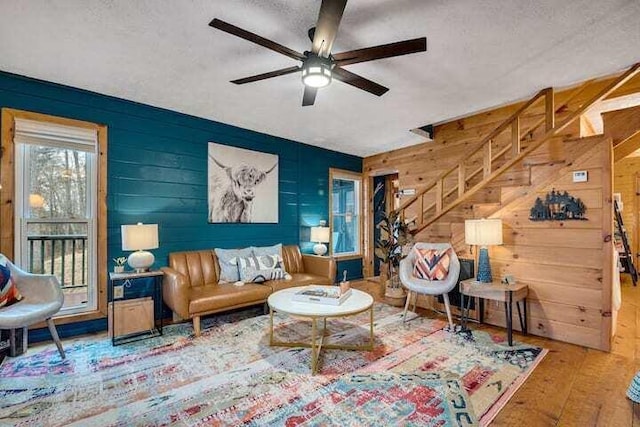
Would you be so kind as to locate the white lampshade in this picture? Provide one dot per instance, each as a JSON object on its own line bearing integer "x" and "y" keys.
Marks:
{"x": 138, "y": 238}
{"x": 483, "y": 232}
{"x": 320, "y": 234}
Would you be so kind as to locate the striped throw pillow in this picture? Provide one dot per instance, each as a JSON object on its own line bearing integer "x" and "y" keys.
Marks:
{"x": 431, "y": 264}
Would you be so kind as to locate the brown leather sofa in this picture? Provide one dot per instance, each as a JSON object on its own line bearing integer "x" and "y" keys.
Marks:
{"x": 191, "y": 289}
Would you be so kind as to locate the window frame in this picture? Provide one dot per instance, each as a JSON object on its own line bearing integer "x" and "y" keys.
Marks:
{"x": 8, "y": 200}
{"x": 22, "y": 221}
{"x": 335, "y": 173}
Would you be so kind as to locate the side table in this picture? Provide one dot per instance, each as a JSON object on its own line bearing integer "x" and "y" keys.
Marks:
{"x": 496, "y": 291}
{"x": 132, "y": 293}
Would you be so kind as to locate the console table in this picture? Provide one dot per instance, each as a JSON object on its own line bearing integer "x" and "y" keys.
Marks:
{"x": 496, "y": 291}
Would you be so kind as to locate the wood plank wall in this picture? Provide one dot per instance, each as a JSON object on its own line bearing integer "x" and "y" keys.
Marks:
{"x": 626, "y": 174}
{"x": 563, "y": 263}
{"x": 565, "y": 266}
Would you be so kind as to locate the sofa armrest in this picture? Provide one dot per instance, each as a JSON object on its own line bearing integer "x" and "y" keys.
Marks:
{"x": 175, "y": 291}
{"x": 320, "y": 265}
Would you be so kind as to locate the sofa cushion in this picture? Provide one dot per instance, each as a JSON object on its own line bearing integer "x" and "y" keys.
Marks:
{"x": 210, "y": 298}
{"x": 229, "y": 271}
{"x": 298, "y": 279}
{"x": 292, "y": 259}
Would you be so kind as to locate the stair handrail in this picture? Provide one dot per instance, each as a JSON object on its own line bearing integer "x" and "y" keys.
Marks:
{"x": 480, "y": 146}
{"x": 464, "y": 194}
{"x": 503, "y": 151}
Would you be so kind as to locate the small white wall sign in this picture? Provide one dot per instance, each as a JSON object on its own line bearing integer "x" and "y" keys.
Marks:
{"x": 580, "y": 176}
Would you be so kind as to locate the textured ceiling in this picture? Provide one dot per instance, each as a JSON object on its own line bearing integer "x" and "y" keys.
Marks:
{"x": 163, "y": 53}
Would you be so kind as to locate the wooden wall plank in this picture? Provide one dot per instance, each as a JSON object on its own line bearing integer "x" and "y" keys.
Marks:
{"x": 565, "y": 263}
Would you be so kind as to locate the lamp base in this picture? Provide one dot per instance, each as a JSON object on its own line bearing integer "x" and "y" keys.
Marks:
{"x": 484, "y": 268}
{"x": 140, "y": 261}
{"x": 319, "y": 249}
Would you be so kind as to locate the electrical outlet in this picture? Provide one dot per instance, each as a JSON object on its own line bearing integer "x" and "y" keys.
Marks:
{"x": 118, "y": 292}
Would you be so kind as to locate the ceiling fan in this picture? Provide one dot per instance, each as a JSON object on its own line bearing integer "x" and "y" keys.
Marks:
{"x": 320, "y": 66}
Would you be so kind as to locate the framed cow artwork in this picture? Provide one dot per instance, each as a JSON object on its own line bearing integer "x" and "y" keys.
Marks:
{"x": 243, "y": 185}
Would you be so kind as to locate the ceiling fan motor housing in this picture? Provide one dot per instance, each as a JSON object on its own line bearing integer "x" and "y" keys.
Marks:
{"x": 316, "y": 70}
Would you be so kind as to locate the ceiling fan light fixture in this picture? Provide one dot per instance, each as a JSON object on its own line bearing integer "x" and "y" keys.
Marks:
{"x": 316, "y": 72}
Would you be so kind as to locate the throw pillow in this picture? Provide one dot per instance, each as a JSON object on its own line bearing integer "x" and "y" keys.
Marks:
{"x": 260, "y": 268}
{"x": 431, "y": 264}
{"x": 228, "y": 271}
{"x": 9, "y": 293}
{"x": 268, "y": 250}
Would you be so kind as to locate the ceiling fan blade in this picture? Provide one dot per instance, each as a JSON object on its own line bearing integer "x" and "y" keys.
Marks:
{"x": 358, "y": 81}
{"x": 268, "y": 75}
{"x": 309, "y": 96}
{"x": 327, "y": 26}
{"x": 254, "y": 38}
{"x": 383, "y": 51}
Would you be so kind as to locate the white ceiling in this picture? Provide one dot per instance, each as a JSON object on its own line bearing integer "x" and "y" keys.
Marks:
{"x": 163, "y": 53}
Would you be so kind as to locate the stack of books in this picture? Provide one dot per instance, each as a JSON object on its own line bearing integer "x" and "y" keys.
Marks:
{"x": 329, "y": 295}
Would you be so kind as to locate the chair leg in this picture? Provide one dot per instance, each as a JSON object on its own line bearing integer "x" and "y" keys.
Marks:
{"x": 415, "y": 301}
{"x": 56, "y": 338}
{"x": 196, "y": 326}
{"x": 406, "y": 307}
{"x": 448, "y": 308}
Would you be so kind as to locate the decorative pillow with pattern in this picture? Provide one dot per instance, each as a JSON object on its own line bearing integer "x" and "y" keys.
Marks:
{"x": 431, "y": 264}
{"x": 260, "y": 268}
{"x": 228, "y": 271}
{"x": 9, "y": 293}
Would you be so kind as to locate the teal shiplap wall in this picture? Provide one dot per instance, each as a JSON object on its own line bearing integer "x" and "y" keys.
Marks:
{"x": 157, "y": 170}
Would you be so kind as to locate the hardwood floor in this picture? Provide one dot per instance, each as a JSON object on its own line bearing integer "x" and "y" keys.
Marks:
{"x": 573, "y": 385}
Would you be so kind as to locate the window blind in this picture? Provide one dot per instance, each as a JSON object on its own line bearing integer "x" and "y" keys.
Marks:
{"x": 55, "y": 135}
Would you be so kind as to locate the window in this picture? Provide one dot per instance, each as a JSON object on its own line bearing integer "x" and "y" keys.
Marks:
{"x": 57, "y": 178}
{"x": 345, "y": 213}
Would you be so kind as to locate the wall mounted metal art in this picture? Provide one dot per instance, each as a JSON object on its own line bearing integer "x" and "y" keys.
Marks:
{"x": 558, "y": 206}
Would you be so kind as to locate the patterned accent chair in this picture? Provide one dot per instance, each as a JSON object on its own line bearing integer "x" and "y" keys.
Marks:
{"x": 417, "y": 286}
{"x": 42, "y": 298}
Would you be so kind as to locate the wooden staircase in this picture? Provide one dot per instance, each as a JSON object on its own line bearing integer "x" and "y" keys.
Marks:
{"x": 499, "y": 168}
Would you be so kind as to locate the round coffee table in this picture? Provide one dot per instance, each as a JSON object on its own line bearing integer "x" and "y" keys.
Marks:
{"x": 282, "y": 301}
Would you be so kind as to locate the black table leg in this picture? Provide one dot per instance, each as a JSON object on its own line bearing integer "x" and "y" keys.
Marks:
{"x": 466, "y": 318}
{"x": 508, "y": 311}
{"x": 463, "y": 313}
{"x": 520, "y": 318}
{"x": 526, "y": 324}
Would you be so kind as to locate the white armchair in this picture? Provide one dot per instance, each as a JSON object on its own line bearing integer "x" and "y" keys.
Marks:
{"x": 417, "y": 286}
{"x": 42, "y": 298}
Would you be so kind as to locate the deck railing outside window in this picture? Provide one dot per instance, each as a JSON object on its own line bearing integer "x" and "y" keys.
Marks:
{"x": 65, "y": 256}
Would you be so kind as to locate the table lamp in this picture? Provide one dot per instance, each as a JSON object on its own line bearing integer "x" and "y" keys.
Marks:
{"x": 483, "y": 232}
{"x": 139, "y": 238}
{"x": 320, "y": 235}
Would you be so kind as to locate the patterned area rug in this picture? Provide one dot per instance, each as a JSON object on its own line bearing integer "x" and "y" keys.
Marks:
{"x": 418, "y": 374}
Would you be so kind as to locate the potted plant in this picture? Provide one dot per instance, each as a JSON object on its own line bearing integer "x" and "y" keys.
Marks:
{"x": 394, "y": 237}
{"x": 119, "y": 264}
